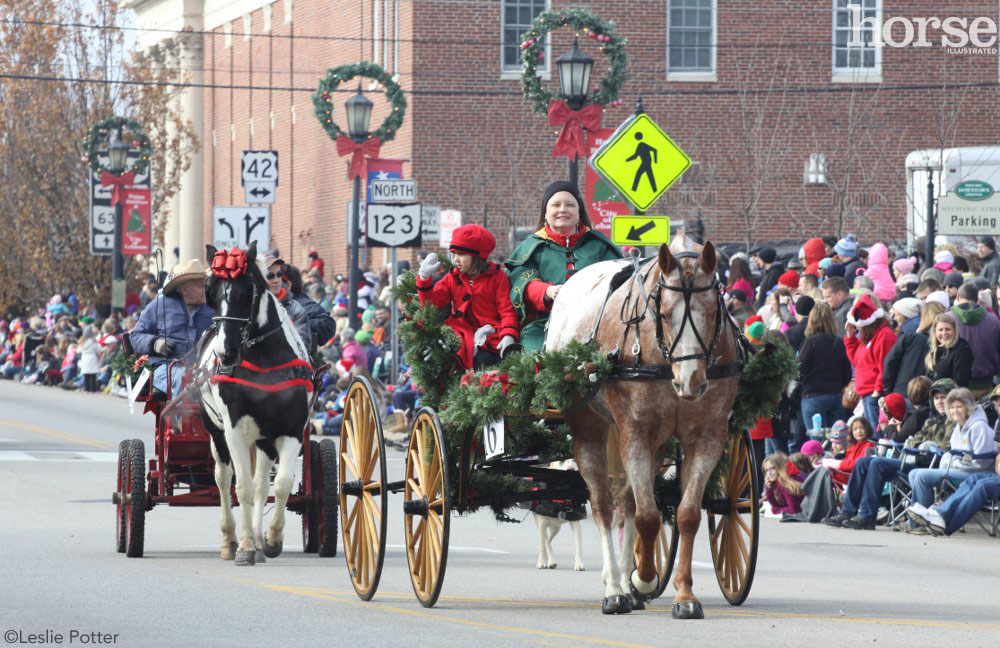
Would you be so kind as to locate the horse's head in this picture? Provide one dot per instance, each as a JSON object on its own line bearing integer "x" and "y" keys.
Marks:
{"x": 689, "y": 305}
{"x": 236, "y": 291}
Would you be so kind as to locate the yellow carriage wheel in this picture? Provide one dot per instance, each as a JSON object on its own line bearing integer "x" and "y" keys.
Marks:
{"x": 426, "y": 507}
{"x": 363, "y": 494}
{"x": 734, "y": 523}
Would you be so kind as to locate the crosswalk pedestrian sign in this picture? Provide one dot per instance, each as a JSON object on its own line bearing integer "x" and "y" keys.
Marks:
{"x": 640, "y": 160}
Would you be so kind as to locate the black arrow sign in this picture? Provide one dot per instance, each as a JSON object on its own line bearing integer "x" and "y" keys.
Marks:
{"x": 257, "y": 192}
{"x": 636, "y": 234}
{"x": 250, "y": 228}
{"x": 224, "y": 222}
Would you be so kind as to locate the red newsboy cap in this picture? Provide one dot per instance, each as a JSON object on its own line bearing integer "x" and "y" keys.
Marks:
{"x": 473, "y": 239}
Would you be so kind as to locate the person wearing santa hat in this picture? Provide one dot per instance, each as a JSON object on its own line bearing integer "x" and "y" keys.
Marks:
{"x": 868, "y": 340}
{"x": 478, "y": 293}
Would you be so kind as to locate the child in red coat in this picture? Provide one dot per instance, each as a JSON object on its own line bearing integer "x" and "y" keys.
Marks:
{"x": 478, "y": 293}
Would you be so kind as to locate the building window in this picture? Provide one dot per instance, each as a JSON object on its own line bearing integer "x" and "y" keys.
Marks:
{"x": 516, "y": 17}
{"x": 691, "y": 36}
{"x": 855, "y": 50}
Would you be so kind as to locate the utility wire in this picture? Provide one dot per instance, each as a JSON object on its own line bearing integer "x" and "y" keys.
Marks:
{"x": 838, "y": 89}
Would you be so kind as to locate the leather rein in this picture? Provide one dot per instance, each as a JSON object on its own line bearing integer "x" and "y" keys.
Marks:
{"x": 648, "y": 304}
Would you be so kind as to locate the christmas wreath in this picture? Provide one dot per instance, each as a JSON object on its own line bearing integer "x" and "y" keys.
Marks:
{"x": 323, "y": 99}
{"x": 131, "y": 133}
{"x": 533, "y": 52}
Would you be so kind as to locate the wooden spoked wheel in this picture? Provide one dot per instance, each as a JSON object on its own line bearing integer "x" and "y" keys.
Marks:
{"x": 363, "y": 496}
{"x": 734, "y": 534}
{"x": 426, "y": 507}
{"x": 664, "y": 554}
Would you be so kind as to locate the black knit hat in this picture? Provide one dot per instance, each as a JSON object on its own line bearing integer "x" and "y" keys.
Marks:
{"x": 562, "y": 185}
{"x": 766, "y": 254}
{"x": 804, "y": 306}
{"x": 989, "y": 242}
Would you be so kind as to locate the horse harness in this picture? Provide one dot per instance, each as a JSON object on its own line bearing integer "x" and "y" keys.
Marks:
{"x": 644, "y": 304}
{"x": 245, "y": 340}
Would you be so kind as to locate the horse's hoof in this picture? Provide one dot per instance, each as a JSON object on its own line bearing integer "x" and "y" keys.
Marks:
{"x": 245, "y": 558}
{"x": 617, "y": 604}
{"x": 688, "y": 610}
{"x": 229, "y": 551}
{"x": 272, "y": 551}
{"x": 259, "y": 556}
{"x": 637, "y": 603}
{"x": 638, "y": 595}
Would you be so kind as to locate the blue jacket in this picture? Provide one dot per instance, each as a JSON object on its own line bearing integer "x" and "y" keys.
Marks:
{"x": 168, "y": 317}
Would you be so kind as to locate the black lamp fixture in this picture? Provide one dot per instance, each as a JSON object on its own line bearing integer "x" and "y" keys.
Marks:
{"x": 117, "y": 152}
{"x": 574, "y": 75}
{"x": 359, "y": 115}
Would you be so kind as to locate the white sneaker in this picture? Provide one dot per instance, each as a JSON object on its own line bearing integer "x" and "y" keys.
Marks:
{"x": 917, "y": 507}
{"x": 934, "y": 518}
{"x": 882, "y": 515}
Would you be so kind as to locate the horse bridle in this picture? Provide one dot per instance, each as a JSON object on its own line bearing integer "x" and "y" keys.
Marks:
{"x": 651, "y": 303}
{"x": 245, "y": 340}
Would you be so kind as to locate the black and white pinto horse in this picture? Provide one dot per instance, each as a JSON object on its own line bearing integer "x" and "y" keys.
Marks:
{"x": 257, "y": 399}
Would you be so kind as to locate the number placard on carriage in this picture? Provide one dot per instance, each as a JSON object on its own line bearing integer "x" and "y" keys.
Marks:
{"x": 493, "y": 438}
{"x": 394, "y": 225}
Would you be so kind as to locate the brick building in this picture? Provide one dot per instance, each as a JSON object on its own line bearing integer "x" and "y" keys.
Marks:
{"x": 794, "y": 131}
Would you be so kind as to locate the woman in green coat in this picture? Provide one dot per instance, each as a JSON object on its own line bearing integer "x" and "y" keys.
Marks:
{"x": 563, "y": 244}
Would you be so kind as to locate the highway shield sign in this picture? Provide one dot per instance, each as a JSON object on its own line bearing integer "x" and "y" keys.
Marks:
{"x": 640, "y": 160}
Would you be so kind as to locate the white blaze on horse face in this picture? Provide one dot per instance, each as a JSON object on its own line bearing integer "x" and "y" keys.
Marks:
{"x": 690, "y": 380}
{"x": 220, "y": 335}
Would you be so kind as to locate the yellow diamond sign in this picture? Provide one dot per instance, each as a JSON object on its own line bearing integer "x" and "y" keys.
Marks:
{"x": 640, "y": 160}
{"x": 640, "y": 230}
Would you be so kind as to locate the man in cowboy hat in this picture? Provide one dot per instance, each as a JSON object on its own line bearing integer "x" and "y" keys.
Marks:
{"x": 170, "y": 325}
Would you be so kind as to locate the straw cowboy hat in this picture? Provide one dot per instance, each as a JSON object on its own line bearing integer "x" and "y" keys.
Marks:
{"x": 185, "y": 271}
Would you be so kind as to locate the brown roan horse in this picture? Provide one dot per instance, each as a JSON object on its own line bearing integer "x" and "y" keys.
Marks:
{"x": 670, "y": 327}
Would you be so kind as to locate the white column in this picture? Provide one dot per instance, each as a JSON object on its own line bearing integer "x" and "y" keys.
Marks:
{"x": 171, "y": 230}
{"x": 191, "y": 207}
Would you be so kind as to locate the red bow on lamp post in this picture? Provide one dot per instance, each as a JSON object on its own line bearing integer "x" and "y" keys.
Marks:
{"x": 118, "y": 184}
{"x": 570, "y": 142}
{"x": 359, "y": 151}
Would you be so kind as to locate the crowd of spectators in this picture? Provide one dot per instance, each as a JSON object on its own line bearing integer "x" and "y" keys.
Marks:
{"x": 895, "y": 351}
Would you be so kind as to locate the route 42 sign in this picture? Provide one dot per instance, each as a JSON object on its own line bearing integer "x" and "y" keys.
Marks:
{"x": 259, "y": 166}
{"x": 394, "y": 225}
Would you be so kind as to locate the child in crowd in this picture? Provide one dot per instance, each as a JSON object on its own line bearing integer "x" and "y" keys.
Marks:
{"x": 781, "y": 491}
{"x": 858, "y": 445}
{"x": 478, "y": 294}
{"x": 838, "y": 439}
{"x": 90, "y": 363}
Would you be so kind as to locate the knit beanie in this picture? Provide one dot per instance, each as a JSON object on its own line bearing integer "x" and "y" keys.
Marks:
{"x": 904, "y": 266}
{"x": 989, "y": 242}
{"x": 789, "y": 279}
{"x": 847, "y": 246}
{"x": 755, "y": 333}
{"x": 836, "y": 270}
{"x": 563, "y": 185}
{"x": 804, "y": 306}
{"x": 767, "y": 255}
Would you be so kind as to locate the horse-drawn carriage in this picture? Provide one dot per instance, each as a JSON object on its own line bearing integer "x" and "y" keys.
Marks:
{"x": 444, "y": 463}
{"x": 244, "y": 406}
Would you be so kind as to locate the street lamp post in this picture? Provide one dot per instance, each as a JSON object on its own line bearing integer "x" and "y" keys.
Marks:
{"x": 359, "y": 114}
{"x": 574, "y": 80}
{"x": 118, "y": 154}
{"x": 931, "y": 234}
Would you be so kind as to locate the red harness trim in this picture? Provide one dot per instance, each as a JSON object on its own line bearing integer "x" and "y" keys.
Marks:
{"x": 298, "y": 362}
{"x": 288, "y": 384}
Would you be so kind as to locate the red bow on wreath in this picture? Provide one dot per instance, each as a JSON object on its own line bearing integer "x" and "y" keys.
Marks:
{"x": 229, "y": 264}
{"x": 358, "y": 151}
{"x": 490, "y": 378}
{"x": 118, "y": 184}
{"x": 570, "y": 142}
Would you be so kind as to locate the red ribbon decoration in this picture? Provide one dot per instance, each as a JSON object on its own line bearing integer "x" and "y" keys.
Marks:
{"x": 118, "y": 183}
{"x": 359, "y": 150}
{"x": 570, "y": 142}
{"x": 229, "y": 264}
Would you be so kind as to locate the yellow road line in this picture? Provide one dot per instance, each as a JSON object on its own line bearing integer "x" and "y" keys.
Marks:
{"x": 56, "y": 434}
{"x": 432, "y": 616}
{"x": 348, "y": 596}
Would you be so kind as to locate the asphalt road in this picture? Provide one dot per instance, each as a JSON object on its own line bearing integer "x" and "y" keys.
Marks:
{"x": 61, "y": 576}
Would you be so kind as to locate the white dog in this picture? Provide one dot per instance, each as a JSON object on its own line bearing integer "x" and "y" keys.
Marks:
{"x": 549, "y": 518}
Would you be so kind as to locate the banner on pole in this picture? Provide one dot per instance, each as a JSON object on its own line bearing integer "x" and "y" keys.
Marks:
{"x": 136, "y": 235}
{"x": 603, "y": 201}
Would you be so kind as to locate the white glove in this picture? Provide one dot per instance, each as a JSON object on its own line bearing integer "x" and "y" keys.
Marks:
{"x": 831, "y": 464}
{"x": 430, "y": 265}
{"x": 479, "y": 338}
{"x": 164, "y": 347}
{"x": 505, "y": 342}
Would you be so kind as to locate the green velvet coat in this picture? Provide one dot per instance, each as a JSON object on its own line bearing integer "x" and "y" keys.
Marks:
{"x": 539, "y": 257}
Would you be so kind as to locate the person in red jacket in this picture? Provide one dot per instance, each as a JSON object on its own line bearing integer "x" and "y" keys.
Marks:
{"x": 815, "y": 251}
{"x": 858, "y": 445}
{"x": 478, "y": 293}
{"x": 869, "y": 339}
